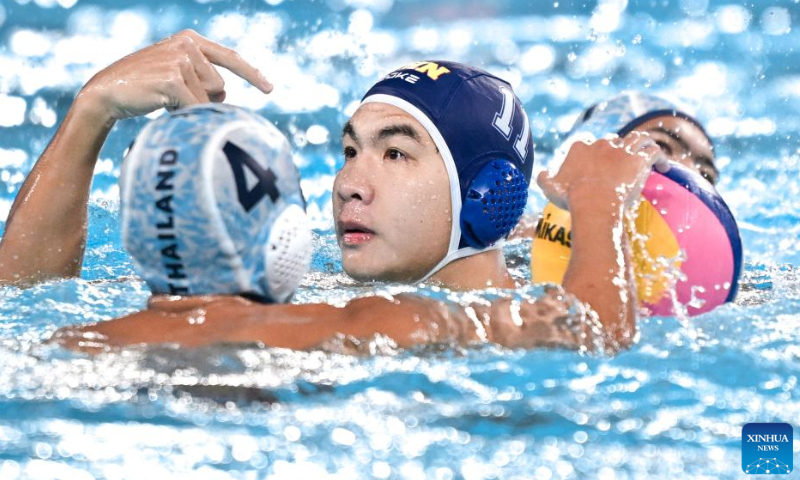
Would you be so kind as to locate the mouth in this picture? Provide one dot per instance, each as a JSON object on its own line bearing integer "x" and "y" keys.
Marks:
{"x": 354, "y": 233}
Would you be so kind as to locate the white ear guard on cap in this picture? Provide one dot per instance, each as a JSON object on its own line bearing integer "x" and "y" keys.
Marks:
{"x": 211, "y": 204}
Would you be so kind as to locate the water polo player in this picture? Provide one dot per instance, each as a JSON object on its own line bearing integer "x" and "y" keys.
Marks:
{"x": 681, "y": 137}
{"x": 687, "y": 255}
{"x": 421, "y": 160}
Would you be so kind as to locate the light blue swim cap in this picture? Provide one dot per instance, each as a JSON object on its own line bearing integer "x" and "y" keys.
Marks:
{"x": 623, "y": 113}
{"x": 211, "y": 204}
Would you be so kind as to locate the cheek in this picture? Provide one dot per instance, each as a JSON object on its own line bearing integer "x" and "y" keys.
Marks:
{"x": 429, "y": 215}
{"x": 418, "y": 208}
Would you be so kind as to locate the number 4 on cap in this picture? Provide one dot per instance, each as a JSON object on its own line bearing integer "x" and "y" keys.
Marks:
{"x": 239, "y": 160}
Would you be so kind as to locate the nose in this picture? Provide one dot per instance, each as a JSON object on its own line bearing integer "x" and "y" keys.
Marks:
{"x": 354, "y": 182}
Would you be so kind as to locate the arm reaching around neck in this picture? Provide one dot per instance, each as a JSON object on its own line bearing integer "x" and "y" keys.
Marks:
{"x": 408, "y": 320}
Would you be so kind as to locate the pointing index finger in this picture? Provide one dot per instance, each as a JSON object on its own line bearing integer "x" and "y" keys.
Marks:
{"x": 228, "y": 58}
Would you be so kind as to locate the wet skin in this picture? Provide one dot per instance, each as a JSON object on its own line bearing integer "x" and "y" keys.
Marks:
{"x": 45, "y": 236}
{"x": 678, "y": 139}
{"x": 391, "y": 198}
{"x": 393, "y": 213}
{"x": 684, "y": 142}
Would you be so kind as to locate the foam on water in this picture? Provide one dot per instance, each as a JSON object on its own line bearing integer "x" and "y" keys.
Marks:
{"x": 670, "y": 407}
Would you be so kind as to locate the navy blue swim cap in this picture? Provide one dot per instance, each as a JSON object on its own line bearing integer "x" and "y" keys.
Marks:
{"x": 483, "y": 135}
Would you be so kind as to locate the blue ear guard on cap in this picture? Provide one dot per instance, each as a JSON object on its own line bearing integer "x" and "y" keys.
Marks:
{"x": 494, "y": 203}
{"x": 484, "y": 138}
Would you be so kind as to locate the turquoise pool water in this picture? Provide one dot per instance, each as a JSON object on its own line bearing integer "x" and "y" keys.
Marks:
{"x": 671, "y": 407}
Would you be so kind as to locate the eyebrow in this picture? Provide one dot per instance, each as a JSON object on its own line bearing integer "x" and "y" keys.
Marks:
{"x": 385, "y": 132}
{"x": 700, "y": 159}
{"x": 399, "y": 129}
{"x": 674, "y": 136}
{"x": 349, "y": 131}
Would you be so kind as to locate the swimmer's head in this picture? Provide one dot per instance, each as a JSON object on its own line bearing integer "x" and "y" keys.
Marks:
{"x": 211, "y": 204}
{"x": 438, "y": 160}
{"x": 681, "y": 137}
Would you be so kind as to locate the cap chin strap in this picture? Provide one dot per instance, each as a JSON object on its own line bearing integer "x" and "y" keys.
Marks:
{"x": 453, "y": 252}
{"x": 461, "y": 253}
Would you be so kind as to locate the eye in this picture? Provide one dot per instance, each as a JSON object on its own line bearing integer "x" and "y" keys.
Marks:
{"x": 349, "y": 153}
{"x": 709, "y": 175}
{"x": 664, "y": 146}
{"x": 395, "y": 154}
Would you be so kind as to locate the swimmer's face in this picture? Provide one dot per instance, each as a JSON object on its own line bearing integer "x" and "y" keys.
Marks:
{"x": 683, "y": 142}
{"x": 391, "y": 199}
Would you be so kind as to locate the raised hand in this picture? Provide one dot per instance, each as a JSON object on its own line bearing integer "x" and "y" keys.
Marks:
{"x": 619, "y": 166}
{"x": 173, "y": 73}
{"x": 45, "y": 232}
{"x": 597, "y": 183}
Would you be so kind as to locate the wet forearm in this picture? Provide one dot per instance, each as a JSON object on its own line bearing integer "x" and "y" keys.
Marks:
{"x": 46, "y": 228}
{"x": 598, "y": 271}
{"x": 410, "y": 321}
{"x": 199, "y": 321}
{"x": 407, "y": 320}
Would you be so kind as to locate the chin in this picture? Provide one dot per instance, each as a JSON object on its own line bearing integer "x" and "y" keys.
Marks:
{"x": 364, "y": 273}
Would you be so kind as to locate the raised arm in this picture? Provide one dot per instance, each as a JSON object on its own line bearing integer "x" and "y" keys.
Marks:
{"x": 45, "y": 232}
{"x": 597, "y": 183}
